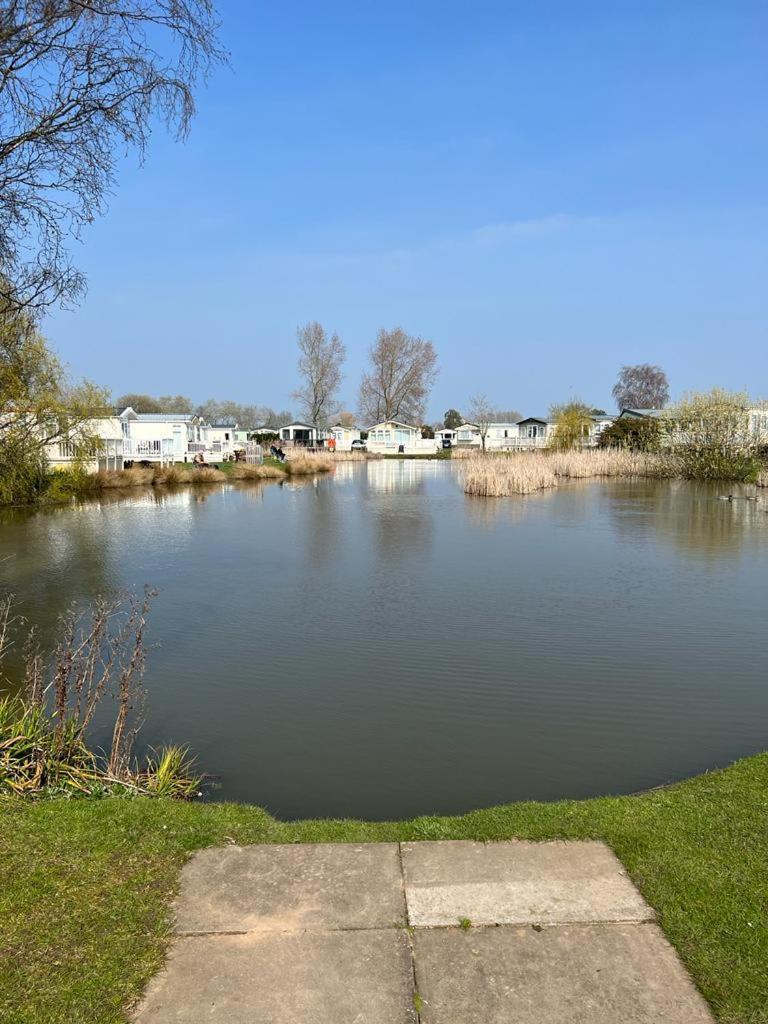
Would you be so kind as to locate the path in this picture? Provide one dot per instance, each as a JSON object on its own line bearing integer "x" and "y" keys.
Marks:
{"x": 371, "y": 934}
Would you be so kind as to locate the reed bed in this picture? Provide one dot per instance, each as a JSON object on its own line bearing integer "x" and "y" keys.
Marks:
{"x": 339, "y": 456}
{"x": 491, "y": 477}
{"x": 502, "y": 474}
{"x": 156, "y": 476}
{"x": 301, "y": 463}
{"x": 608, "y": 462}
{"x": 248, "y": 471}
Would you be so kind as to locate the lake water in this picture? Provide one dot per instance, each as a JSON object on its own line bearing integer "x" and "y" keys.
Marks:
{"x": 377, "y": 644}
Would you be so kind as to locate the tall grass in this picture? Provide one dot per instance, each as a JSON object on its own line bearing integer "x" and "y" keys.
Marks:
{"x": 300, "y": 463}
{"x": 248, "y": 471}
{"x": 580, "y": 464}
{"x": 499, "y": 475}
{"x": 355, "y": 456}
{"x": 491, "y": 477}
{"x": 44, "y": 728}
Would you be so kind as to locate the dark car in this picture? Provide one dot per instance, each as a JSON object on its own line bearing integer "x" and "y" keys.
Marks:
{"x": 447, "y": 442}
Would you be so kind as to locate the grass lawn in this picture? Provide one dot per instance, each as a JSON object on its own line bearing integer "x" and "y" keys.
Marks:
{"x": 85, "y": 884}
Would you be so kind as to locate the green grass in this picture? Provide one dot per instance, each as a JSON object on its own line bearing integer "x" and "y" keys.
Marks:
{"x": 85, "y": 884}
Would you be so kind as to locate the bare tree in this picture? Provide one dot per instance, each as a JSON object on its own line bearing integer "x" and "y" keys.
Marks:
{"x": 641, "y": 387}
{"x": 506, "y": 415}
{"x": 81, "y": 81}
{"x": 481, "y": 415}
{"x": 320, "y": 362}
{"x": 147, "y": 403}
{"x": 403, "y": 370}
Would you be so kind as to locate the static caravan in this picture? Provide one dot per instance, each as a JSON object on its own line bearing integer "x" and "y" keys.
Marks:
{"x": 392, "y": 437}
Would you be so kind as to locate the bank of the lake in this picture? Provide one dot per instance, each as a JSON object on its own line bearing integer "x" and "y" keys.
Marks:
{"x": 460, "y": 652}
{"x": 86, "y": 885}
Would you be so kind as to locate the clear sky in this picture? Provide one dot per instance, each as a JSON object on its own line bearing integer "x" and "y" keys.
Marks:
{"x": 546, "y": 190}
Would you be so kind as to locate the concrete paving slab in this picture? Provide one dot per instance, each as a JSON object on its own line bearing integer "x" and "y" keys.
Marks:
{"x": 566, "y": 974}
{"x": 291, "y": 887}
{"x": 357, "y": 977}
{"x": 517, "y": 883}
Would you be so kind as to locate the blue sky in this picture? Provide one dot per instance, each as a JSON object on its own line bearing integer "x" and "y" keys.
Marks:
{"x": 546, "y": 190}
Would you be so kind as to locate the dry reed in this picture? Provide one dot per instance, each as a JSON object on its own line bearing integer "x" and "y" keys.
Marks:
{"x": 206, "y": 475}
{"x": 498, "y": 478}
{"x": 248, "y": 471}
{"x": 340, "y": 456}
{"x": 299, "y": 463}
{"x": 498, "y": 475}
{"x": 156, "y": 476}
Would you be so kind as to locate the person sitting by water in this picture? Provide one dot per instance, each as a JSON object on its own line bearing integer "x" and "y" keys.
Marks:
{"x": 199, "y": 461}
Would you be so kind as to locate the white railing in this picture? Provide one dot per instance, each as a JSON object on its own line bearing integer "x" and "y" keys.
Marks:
{"x": 149, "y": 450}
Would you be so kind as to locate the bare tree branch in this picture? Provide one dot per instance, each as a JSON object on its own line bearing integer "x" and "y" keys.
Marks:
{"x": 403, "y": 370}
{"x": 79, "y": 83}
{"x": 320, "y": 361}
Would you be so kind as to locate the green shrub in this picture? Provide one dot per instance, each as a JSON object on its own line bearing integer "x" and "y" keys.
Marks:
{"x": 634, "y": 434}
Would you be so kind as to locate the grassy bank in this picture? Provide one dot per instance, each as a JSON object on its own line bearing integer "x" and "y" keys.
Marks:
{"x": 85, "y": 884}
{"x": 66, "y": 485}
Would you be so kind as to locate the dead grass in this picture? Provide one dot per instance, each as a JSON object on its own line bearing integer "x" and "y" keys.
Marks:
{"x": 156, "y": 476}
{"x": 499, "y": 475}
{"x": 340, "y": 456}
{"x": 490, "y": 477}
{"x": 137, "y": 477}
{"x": 205, "y": 476}
{"x": 607, "y": 462}
{"x": 300, "y": 463}
{"x": 247, "y": 471}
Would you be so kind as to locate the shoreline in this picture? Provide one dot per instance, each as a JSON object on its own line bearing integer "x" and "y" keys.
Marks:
{"x": 696, "y": 849}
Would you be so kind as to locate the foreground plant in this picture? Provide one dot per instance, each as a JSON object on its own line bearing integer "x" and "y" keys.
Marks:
{"x": 44, "y": 727}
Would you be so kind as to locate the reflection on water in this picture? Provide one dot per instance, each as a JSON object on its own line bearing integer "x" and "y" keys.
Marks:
{"x": 694, "y": 518}
{"x": 375, "y": 643}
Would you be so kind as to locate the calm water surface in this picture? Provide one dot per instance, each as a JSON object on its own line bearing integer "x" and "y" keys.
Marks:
{"x": 378, "y": 644}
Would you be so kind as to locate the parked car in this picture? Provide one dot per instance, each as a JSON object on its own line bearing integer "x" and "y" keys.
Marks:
{"x": 358, "y": 446}
{"x": 447, "y": 442}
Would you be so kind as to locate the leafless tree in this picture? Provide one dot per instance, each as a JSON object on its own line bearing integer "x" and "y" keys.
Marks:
{"x": 481, "y": 415}
{"x": 320, "y": 360}
{"x": 641, "y": 387}
{"x": 403, "y": 370}
{"x": 80, "y": 82}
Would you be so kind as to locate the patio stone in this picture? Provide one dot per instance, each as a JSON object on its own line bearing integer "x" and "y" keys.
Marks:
{"x": 291, "y": 887}
{"x": 314, "y": 977}
{"x": 517, "y": 883}
{"x": 567, "y": 974}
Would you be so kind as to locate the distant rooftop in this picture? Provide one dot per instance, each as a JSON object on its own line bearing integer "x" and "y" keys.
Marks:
{"x": 159, "y": 417}
{"x": 641, "y": 412}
